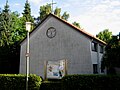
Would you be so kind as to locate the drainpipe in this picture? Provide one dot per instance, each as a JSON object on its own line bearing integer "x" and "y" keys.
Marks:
{"x": 98, "y": 58}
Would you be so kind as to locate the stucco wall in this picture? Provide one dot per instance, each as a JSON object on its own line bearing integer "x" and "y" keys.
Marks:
{"x": 67, "y": 44}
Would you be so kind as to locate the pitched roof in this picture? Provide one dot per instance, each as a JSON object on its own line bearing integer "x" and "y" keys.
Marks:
{"x": 71, "y": 25}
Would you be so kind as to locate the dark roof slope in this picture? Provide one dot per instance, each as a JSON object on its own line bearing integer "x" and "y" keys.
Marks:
{"x": 73, "y": 26}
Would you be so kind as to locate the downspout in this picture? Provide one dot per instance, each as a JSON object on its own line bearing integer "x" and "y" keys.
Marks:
{"x": 98, "y": 58}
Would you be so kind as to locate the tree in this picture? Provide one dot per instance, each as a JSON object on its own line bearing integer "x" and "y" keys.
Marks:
{"x": 26, "y": 18}
{"x": 5, "y": 26}
{"x": 27, "y": 13}
{"x": 105, "y": 35}
{"x": 57, "y": 12}
{"x": 11, "y": 28}
{"x": 46, "y": 10}
{"x": 76, "y": 24}
{"x": 65, "y": 16}
{"x": 9, "y": 33}
{"x": 111, "y": 57}
{"x": 18, "y": 31}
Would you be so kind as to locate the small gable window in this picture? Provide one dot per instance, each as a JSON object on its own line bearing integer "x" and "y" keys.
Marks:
{"x": 94, "y": 46}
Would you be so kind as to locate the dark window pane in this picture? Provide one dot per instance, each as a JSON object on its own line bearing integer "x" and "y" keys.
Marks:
{"x": 94, "y": 46}
{"x": 101, "y": 49}
{"x": 95, "y": 69}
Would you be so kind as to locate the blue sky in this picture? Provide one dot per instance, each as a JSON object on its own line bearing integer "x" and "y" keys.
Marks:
{"x": 93, "y": 15}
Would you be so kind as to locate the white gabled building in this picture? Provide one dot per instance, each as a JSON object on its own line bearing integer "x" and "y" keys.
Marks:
{"x": 55, "y": 39}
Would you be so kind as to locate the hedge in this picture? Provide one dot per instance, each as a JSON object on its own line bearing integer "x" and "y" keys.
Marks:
{"x": 50, "y": 85}
{"x": 91, "y": 82}
{"x": 18, "y": 82}
{"x": 69, "y": 82}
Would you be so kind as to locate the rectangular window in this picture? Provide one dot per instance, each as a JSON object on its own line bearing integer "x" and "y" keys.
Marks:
{"x": 101, "y": 49}
{"x": 95, "y": 68}
{"x": 94, "y": 46}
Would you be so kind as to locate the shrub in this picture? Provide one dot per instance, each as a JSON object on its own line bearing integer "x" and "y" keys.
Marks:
{"x": 91, "y": 82}
{"x": 50, "y": 85}
{"x": 18, "y": 82}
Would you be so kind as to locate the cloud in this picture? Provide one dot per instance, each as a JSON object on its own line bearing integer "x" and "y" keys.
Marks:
{"x": 40, "y": 2}
{"x": 101, "y": 16}
{"x": 105, "y": 1}
{"x": 93, "y": 15}
{"x": 35, "y": 6}
{"x": 65, "y": 5}
{"x": 115, "y": 3}
{"x": 36, "y": 2}
{"x": 17, "y": 4}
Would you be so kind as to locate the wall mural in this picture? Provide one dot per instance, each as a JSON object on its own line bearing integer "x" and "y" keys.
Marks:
{"x": 55, "y": 69}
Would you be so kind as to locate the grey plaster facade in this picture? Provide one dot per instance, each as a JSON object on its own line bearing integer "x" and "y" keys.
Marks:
{"x": 69, "y": 43}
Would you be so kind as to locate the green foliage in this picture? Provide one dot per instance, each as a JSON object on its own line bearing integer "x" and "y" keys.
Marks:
{"x": 18, "y": 32}
{"x": 77, "y": 82}
{"x": 65, "y": 16}
{"x": 11, "y": 28}
{"x": 91, "y": 82}
{"x": 83, "y": 82}
{"x": 57, "y": 12}
{"x": 18, "y": 82}
{"x": 46, "y": 10}
{"x": 50, "y": 85}
{"x": 105, "y": 35}
{"x": 6, "y": 7}
{"x": 27, "y": 13}
{"x": 6, "y": 25}
{"x": 111, "y": 57}
{"x": 76, "y": 24}
{"x": 26, "y": 17}
{"x": 34, "y": 82}
{"x": 12, "y": 31}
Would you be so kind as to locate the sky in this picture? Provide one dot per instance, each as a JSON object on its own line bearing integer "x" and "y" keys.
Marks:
{"x": 93, "y": 15}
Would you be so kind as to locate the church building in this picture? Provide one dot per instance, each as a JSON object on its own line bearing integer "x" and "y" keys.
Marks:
{"x": 54, "y": 40}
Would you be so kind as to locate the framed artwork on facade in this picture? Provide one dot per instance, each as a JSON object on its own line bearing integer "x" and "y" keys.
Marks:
{"x": 55, "y": 69}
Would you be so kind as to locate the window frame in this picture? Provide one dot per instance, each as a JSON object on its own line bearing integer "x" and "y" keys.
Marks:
{"x": 94, "y": 46}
